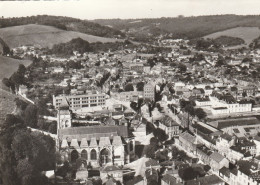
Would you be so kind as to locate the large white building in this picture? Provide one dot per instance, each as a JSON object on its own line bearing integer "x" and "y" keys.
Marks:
{"x": 79, "y": 101}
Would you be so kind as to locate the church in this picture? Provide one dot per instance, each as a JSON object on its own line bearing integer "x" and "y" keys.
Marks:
{"x": 95, "y": 146}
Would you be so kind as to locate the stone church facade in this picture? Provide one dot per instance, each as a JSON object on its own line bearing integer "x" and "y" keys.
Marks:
{"x": 94, "y": 145}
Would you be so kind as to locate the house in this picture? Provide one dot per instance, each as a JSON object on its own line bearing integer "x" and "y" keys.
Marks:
{"x": 224, "y": 142}
{"x": 22, "y": 90}
{"x": 149, "y": 90}
{"x": 170, "y": 127}
{"x": 245, "y": 173}
{"x": 137, "y": 180}
{"x": 204, "y": 153}
{"x": 218, "y": 161}
{"x": 188, "y": 142}
{"x": 111, "y": 171}
{"x": 168, "y": 179}
{"x": 207, "y": 180}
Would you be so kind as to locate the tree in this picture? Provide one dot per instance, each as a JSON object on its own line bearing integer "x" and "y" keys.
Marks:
{"x": 182, "y": 68}
{"x": 31, "y": 116}
{"x": 244, "y": 94}
{"x": 149, "y": 151}
{"x": 200, "y": 113}
{"x": 160, "y": 134}
{"x": 8, "y": 83}
{"x": 20, "y": 103}
{"x": 21, "y": 69}
{"x": 140, "y": 86}
{"x": 129, "y": 87}
{"x": 187, "y": 173}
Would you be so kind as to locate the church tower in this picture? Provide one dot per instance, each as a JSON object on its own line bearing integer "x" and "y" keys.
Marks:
{"x": 64, "y": 115}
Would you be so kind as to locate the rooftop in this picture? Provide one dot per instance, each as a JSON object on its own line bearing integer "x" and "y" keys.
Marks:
{"x": 207, "y": 180}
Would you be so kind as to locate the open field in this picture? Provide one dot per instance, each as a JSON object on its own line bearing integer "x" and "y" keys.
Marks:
{"x": 44, "y": 36}
{"x": 7, "y": 67}
{"x": 248, "y": 34}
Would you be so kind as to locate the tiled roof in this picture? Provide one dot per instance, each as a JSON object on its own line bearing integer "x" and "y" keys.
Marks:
{"x": 104, "y": 141}
{"x": 225, "y": 171}
{"x": 226, "y": 137}
{"x": 207, "y": 180}
{"x": 151, "y": 162}
{"x": 188, "y": 137}
{"x": 74, "y": 143}
{"x": 117, "y": 141}
{"x": 110, "y": 168}
{"x": 93, "y": 131}
{"x": 168, "y": 121}
{"x": 93, "y": 142}
{"x": 169, "y": 179}
{"x": 64, "y": 143}
{"x": 220, "y": 124}
{"x": 217, "y": 157}
{"x": 84, "y": 142}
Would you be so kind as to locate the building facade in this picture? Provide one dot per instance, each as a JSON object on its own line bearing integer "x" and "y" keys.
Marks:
{"x": 78, "y": 101}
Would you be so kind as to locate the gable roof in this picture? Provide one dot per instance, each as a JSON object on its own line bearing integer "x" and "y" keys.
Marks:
{"x": 169, "y": 179}
{"x": 93, "y": 131}
{"x": 217, "y": 157}
{"x": 207, "y": 180}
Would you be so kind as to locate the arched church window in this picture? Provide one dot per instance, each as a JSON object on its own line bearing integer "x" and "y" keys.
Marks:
{"x": 105, "y": 156}
{"x": 84, "y": 154}
{"x": 93, "y": 154}
{"x": 74, "y": 156}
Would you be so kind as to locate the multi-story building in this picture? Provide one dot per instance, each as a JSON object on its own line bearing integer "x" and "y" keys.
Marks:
{"x": 149, "y": 90}
{"x": 170, "y": 127}
{"x": 78, "y": 101}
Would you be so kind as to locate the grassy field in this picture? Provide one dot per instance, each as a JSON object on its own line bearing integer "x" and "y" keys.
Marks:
{"x": 7, "y": 67}
{"x": 248, "y": 34}
{"x": 44, "y": 36}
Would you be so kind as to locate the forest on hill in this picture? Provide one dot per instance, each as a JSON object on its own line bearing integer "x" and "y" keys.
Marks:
{"x": 181, "y": 27}
{"x": 64, "y": 23}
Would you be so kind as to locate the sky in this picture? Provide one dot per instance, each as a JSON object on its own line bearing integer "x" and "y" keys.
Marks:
{"x": 108, "y": 9}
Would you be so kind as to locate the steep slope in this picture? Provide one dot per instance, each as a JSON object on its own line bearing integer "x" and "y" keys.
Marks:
{"x": 64, "y": 23}
{"x": 44, "y": 36}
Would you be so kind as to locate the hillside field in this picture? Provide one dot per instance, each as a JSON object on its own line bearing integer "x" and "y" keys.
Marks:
{"x": 248, "y": 34}
{"x": 43, "y": 36}
{"x": 7, "y": 104}
{"x": 9, "y": 65}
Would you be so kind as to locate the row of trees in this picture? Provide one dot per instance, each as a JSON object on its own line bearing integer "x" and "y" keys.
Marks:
{"x": 83, "y": 46}
{"x": 64, "y": 23}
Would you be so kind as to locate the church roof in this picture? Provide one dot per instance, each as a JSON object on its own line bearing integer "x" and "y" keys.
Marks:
{"x": 64, "y": 103}
{"x": 74, "y": 143}
{"x": 84, "y": 142}
{"x": 93, "y": 142}
{"x": 117, "y": 141}
{"x": 64, "y": 143}
{"x": 104, "y": 141}
{"x": 93, "y": 131}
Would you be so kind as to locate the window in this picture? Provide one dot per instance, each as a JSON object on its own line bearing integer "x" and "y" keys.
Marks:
{"x": 84, "y": 154}
{"x": 93, "y": 154}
